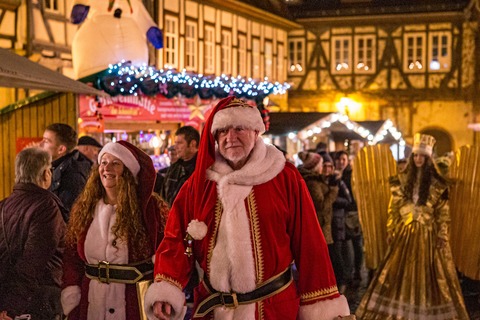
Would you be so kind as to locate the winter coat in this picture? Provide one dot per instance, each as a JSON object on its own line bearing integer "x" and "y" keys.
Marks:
{"x": 323, "y": 197}
{"x": 69, "y": 175}
{"x": 175, "y": 177}
{"x": 31, "y": 269}
{"x": 340, "y": 209}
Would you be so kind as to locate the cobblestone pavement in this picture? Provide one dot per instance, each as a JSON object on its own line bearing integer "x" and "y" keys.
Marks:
{"x": 471, "y": 294}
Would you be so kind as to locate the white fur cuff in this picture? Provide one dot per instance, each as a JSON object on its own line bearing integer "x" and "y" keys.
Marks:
{"x": 165, "y": 292}
{"x": 325, "y": 309}
{"x": 70, "y": 298}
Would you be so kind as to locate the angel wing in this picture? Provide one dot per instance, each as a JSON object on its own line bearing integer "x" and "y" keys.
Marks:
{"x": 465, "y": 211}
{"x": 372, "y": 167}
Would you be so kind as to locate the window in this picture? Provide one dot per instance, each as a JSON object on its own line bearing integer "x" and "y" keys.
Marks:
{"x": 280, "y": 63}
{"x": 268, "y": 60}
{"x": 342, "y": 55}
{"x": 365, "y": 58}
{"x": 209, "y": 43}
{"x": 191, "y": 46}
{"x": 226, "y": 57}
{"x": 51, "y": 5}
{"x": 296, "y": 57}
{"x": 242, "y": 55}
{"x": 171, "y": 43}
{"x": 414, "y": 52}
{"x": 440, "y": 51}
{"x": 256, "y": 58}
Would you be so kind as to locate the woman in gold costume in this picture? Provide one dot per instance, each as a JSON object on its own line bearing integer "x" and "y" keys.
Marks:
{"x": 417, "y": 277}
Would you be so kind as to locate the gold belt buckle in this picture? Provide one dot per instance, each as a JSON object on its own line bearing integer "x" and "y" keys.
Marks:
{"x": 104, "y": 265}
{"x": 229, "y": 305}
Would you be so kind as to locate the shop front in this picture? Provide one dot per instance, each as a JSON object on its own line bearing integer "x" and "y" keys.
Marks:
{"x": 148, "y": 122}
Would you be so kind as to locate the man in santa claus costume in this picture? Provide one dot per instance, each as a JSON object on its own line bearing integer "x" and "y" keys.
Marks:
{"x": 246, "y": 217}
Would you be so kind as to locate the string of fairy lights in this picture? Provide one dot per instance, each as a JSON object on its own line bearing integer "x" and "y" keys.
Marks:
{"x": 126, "y": 79}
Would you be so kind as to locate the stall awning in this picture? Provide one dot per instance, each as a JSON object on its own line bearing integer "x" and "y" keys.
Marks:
{"x": 282, "y": 123}
{"x": 19, "y": 72}
{"x": 338, "y": 126}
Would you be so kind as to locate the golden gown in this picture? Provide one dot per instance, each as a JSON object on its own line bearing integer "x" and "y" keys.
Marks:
{"x": 416, "y": 279}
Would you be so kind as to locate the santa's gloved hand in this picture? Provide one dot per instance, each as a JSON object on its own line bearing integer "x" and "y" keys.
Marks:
{"x": 155, "y": 36}
{"x": 79, "y": 13}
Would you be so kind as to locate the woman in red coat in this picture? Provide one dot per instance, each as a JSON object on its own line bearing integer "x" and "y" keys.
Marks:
{"x": 113, "y": 232}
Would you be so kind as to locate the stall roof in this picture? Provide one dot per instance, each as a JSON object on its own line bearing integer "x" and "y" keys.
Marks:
{"x": 19, "y": 72}
{"x": 282, "y": 123}
{"x": 339, "y": 126}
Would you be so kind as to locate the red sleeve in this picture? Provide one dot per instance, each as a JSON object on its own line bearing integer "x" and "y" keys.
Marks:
{"x": 172, "y": 248}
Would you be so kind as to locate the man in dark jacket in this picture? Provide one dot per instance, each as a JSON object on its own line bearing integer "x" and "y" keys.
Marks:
{"x": 186, "y": 146}
{"x": 31, "y": 240}
{"x": 70, "y": 167}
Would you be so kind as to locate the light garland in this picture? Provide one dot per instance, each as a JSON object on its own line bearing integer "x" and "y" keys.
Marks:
{"x": 373, "y": 138}
{"x": 126, "y": 79}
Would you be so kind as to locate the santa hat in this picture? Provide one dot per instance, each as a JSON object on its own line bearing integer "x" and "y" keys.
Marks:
{"x": 206, "y": 151}
{"x": 238, "y": 114}
{"x": 423, "y": 144}
{"x": 141, "y": 166}
{"x": 309, "y": 159}
{"x": 123, "y": 151}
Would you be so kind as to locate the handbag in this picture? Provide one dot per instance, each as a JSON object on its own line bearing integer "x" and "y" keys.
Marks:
{"x": 352, "y": 224}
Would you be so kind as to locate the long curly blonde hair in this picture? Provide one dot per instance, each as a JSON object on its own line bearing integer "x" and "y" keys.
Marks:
{"x": 129, "y": 224}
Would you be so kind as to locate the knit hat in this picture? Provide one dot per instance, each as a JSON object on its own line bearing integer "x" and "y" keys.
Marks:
{"x": 326, "y": 157}
{"x": 88, "y": 141}
{"x": 238, "y": 113}
{"x": 423, "y": 144}
{"x": 125, "y": 152}
{"x": 309, "y": 159}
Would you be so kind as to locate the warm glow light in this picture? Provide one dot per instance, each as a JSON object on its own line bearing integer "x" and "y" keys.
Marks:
{"x": 347, "y": 106}
{"x": 154, "y": 142}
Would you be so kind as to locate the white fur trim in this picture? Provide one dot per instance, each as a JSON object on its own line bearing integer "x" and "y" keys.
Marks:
{"x": 325, "y": 309}
{"x": 232, "y": 264}
{"x": 197, "y": 229}
{"x": 166, "y": 292}
{"x": 122, "y": 153}
{"x": 247, "y": 117}
{"x": 70, "y": 298}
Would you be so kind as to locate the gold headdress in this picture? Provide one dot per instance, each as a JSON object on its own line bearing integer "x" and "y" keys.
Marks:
{"x": 423, "y": 144}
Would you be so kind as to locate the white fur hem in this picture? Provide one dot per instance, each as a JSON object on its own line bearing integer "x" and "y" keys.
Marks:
{"x": 164, "y": 291}
{"x": 325, "y": 309}
{"x": 70, "y": 298}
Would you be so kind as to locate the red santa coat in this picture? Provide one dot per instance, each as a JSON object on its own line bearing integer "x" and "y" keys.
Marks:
{"x": 259, "y": 220}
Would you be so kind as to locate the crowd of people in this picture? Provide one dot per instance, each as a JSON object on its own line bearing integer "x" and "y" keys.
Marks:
{"x": 231, "y": 230}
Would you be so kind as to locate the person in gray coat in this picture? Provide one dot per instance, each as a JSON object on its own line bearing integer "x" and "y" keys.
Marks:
{"x": 31, "y": 240}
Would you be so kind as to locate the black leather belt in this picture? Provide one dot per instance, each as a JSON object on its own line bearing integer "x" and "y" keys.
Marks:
{"x": 119, "y": 273}
{"x": 232, "y": 299}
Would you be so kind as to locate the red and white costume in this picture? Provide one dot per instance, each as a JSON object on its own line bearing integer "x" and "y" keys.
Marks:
{"x": 83, "y": 298}
{"x": 259, "y": 220}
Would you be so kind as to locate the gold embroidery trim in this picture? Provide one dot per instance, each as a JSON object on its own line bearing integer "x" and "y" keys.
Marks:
{"x": 213, "y": 239}
{"x": 323, "y": 293}
{"x": 161, "y": 277}
{"x": 256, "y": 238}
